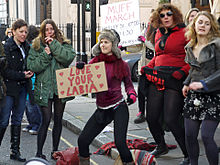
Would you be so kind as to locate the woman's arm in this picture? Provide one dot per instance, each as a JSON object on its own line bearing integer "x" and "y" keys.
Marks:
{"x": 214, "y": 79}
{"x": 9, "y": 73}
{"x": 63, "y": 53}
{"x": 38, "y": 61}
{"x": 129, "y": 88}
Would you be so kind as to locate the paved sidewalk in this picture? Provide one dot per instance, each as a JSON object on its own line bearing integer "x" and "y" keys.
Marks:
{"x": 78, "y": 111}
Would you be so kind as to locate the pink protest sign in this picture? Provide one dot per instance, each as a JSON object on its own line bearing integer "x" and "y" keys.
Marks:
{"x": 73, "y": 81}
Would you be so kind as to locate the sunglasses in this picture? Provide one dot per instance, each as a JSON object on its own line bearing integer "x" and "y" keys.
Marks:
{"x": 169, "y": 13}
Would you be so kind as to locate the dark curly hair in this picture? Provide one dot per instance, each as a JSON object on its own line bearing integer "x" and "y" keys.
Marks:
{"x": 33, "y": 32}
{"x": 177, "y": 15}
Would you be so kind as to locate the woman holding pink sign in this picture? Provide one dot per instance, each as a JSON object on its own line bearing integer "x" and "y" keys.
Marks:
{"x": 111, "y": 105}
{"x": 50, "y": 51}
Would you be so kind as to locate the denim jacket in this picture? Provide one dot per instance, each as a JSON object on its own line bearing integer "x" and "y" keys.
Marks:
{"x": 206, "y": 68}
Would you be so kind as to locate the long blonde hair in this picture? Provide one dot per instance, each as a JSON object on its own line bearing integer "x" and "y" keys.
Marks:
{"x": 214, "y": 30}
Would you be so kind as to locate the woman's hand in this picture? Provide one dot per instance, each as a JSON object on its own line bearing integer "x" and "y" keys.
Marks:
{"x": 47, "y": 50}
{"x": 195, "y": 85}
{"x": 28, "y": 74}
{"x": 48, "y": 40}
{"x": 185, "y": 90}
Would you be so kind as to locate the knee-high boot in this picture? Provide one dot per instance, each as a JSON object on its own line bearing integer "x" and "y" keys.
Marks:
{"x": 15, "y": 143}
{"x": 2, "y": 132}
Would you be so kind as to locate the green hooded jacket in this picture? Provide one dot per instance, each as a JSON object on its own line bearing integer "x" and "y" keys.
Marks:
{"x": 45, "y": 66}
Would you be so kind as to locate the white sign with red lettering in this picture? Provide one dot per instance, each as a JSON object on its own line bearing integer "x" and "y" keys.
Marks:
{"x": 73, "y": 81}
{"x": 124, "y": 18}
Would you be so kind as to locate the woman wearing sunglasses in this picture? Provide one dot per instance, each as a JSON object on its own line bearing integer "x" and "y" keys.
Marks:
{"x": 165, "y": 74}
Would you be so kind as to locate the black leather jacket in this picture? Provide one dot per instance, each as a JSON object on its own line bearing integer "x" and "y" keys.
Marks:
{"x": 206, "y": 68}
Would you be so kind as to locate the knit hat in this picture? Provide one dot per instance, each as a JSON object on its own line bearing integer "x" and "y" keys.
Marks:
{"x": 112, "y": 36}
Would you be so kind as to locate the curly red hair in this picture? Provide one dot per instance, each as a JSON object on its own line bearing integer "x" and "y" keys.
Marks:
{"x": 177, "y": 15}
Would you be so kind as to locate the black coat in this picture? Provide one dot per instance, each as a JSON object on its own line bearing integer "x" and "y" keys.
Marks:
{"x": 207, "y": 68}
{"x": 13, "y": 75}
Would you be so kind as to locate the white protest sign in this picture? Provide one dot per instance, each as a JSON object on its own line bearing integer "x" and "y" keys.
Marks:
{"x": 124, "y": 18}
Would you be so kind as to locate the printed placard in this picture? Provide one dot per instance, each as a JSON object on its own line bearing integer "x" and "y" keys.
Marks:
{"x": 73, "y": 81}
{"x": 124, "y": 17}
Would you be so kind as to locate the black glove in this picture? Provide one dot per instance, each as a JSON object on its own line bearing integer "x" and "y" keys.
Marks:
{"x": 80, "y": 65}
{"x": 122, "y": 48}
{"x": 3, "y": 62}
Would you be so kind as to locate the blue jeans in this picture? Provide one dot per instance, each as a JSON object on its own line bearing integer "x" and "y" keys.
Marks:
{"x": 16, "y": 112}
{"x": 33, "y": 116}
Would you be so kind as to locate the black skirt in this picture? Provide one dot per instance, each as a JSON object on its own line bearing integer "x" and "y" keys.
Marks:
{"x": 202, "y": 106}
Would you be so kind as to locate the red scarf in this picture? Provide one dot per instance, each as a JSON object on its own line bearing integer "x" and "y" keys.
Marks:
{"x": 120, "y": 70}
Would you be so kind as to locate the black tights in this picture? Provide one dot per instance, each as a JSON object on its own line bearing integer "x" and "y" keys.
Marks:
{"x": 141, "y": 101}
{"x": 170, "y": 103}
{"x": 93, "y": 127}
{"x": 208, "y": 128}
{"x": 57, "y": 127}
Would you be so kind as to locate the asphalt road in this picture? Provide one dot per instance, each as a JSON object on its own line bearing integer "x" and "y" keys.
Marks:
{"x": 29, "y": 147}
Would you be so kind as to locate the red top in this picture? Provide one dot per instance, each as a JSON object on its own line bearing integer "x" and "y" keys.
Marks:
{"x": 114, "y": 94}
{"x": 169, "y": 49}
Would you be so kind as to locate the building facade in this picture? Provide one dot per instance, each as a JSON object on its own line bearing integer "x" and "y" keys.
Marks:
{"x": 3, "y": 12}
{"x": 32, "y": 11}
{"x": 64, "y": 12}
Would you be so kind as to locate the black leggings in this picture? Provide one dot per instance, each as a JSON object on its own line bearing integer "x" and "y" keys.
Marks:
{"x": 208, "y": 128}
{"x": 57, "y": 127}
{"x": 94, "y": 126}
{"x": 141, "y": 101}
{"x": 170, "y": 103}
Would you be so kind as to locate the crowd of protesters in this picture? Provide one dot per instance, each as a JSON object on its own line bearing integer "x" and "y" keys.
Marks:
{"x": 178, "y": 81}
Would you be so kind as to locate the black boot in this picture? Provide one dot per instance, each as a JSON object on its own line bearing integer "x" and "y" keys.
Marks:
{"x": 2, "y": 132}
{"x": 15, "y": 143}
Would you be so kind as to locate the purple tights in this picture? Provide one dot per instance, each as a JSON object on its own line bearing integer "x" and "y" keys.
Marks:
{"x": 208, "y": 128}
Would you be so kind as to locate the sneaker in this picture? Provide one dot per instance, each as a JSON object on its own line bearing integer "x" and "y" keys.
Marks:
{"x": 186, "y": 161}
{"x": 33, "y": 132}
{"x": 140, "y": 118}
{"x": 160, "y": 150}
{"x": 25, "y": 129}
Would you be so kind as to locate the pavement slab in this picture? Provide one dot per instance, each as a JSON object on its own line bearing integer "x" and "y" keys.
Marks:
{"x": 78, "y": 111}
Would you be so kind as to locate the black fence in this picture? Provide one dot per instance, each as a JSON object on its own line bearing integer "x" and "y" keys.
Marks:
{"x": 70, "y": 31}
{"x": 3, "y": 27}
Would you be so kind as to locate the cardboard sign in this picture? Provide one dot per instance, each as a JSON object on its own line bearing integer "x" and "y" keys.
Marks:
{"x": 73, "y": 81}
{"x": 124, "y": 18}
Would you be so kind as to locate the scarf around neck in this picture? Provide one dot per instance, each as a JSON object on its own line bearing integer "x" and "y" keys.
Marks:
{"x": 119, "y": 68}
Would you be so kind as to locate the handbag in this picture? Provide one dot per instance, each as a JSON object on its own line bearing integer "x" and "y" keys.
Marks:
{"x": 67, "y": 157}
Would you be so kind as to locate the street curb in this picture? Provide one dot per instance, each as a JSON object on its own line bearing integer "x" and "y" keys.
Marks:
{"x": 76, "y": 125}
